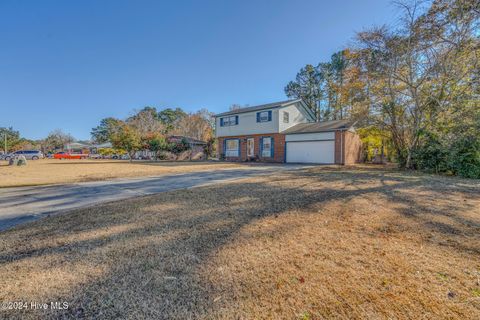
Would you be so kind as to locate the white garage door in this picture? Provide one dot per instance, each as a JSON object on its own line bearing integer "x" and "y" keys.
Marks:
{"x": 311, "y": 152}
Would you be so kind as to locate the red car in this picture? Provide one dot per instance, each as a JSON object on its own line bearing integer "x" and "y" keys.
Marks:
{"x": 66, "y": 155}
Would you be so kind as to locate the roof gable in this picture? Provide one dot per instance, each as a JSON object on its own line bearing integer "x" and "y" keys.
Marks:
{"x": 308, "y": 110}
{"x": 188, "y": 139}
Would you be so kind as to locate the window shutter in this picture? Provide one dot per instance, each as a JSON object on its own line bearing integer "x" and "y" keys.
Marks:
{"x": 258, "y": 116}
{"x": 236, "y": 119}
{"x": 271, "y": 147}
{"x": 261, "y": 147}
{"x": 270, "y": 115}
{"x": 221, "y": 122}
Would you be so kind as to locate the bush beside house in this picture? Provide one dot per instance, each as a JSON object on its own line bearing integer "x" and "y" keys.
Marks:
{"x": 459, "y": 155}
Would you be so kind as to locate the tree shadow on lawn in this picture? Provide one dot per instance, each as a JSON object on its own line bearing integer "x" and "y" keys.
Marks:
{"x": 148, "y": 163}
{"x": 63, "y": 195}
{"x": 153, "y": 250}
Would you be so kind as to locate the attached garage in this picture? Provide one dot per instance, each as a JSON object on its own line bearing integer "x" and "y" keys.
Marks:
{"x": 330, "y": 142}
{"x": 310, "y": 148}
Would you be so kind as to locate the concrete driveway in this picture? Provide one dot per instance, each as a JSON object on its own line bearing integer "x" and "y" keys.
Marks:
{"x": 22, "y": 204}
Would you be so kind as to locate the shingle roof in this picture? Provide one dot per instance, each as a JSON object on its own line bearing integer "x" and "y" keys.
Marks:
{"x": 259, "y": 107}
{"x": 319, "y": 126}
{"x": 189, "y": 140}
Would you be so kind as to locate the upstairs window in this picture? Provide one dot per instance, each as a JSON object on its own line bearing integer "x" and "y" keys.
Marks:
{"x": 264, "y": 116}
{"x": 286, "y": 117}
{"x": 228, "y": 121}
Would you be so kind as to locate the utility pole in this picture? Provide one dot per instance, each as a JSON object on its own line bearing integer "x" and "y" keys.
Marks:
{"x": 5, "y": 135}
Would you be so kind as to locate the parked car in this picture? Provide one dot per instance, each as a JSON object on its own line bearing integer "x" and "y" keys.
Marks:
{"x": 95, "y": 156}
{"x": 28, "y": 154}
{"x": 119, "y": 157}
{"x": 68, "y": 155}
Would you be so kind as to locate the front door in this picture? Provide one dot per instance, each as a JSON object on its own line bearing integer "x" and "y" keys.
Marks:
{"x": 250, "y": 147}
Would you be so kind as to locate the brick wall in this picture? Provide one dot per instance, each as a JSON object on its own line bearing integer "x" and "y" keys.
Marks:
{"x": 338, "y": 147}
{"x": 348, "y": 148}
{"x": 353, "y": 148}
{"x": 278, "y": 147}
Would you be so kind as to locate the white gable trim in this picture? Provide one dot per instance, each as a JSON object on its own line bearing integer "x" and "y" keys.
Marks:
{"x": 310, "y": 112}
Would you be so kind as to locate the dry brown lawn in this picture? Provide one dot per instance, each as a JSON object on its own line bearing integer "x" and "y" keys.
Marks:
{"x": 54, "y": 171}
{"x": 352, "y": 243}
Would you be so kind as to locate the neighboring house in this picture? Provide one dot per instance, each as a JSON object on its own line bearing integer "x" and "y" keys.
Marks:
{"x": 79, "y": 147}
{"x": 76, "y": 147}
{"x": 195, "y": 152}
{"x": 197, "y": 147}
{"x": 194, "y": 143}
{"x": 285, "y": 132}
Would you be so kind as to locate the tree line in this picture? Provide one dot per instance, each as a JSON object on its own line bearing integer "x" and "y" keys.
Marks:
{"x": 146, "y": 129}
{"x": 149, "y": 129}
{"x": 11, "y": 140}
{"x": 413, "y": 88}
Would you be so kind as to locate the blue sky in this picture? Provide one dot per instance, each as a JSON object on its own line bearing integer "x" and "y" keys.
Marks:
{"x": 68, "y": 64}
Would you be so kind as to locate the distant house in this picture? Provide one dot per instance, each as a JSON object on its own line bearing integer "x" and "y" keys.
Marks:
{"x": 197, "y": 147}
{"x": 77, "y": 147}
{"x": 191, "y": 141}
{"x": 196, "y": 150}
{"x": 82, "y": 147}
{"x": 285, "y": 131}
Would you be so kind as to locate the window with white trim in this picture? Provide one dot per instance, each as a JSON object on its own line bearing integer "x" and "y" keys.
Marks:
{"x": 267, "y": 147}
{"x": 229, "y": 121}
{"x": 264, "y": 116}
{"x": 232, "y": 147}
{"x": 286, "y": 117}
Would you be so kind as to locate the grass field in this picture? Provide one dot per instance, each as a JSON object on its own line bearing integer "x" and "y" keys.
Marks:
{"x": 50, "y": 171}
{"x": 319, "y": 243}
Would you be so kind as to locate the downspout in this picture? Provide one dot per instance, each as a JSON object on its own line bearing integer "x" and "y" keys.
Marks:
{"x": 246, "y": 148}
{"x": 341, "y": 148}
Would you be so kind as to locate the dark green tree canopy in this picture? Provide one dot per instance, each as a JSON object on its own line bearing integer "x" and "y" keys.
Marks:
{"x": 169, "y": 117}
{"x": 104, "y": 131}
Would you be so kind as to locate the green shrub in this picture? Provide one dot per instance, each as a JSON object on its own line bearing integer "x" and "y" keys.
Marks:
{"x": 178, "y": 147}
{"x": 461, "y": 156}
{"x": 431, "y": 155}
{"x": 464, "y": 157}
{"x": 162, "y": 156}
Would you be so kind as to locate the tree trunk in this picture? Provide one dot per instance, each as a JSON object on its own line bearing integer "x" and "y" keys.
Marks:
{"x": 411, "y": 147}
{"x": 382, "y": 152}
{"x": 408, "y": 162}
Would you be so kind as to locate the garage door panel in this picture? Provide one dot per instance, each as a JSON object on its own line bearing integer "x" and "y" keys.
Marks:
{"x": 311, "y": 152}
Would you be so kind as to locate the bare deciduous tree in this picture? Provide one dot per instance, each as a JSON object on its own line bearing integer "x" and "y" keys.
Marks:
{"x": 416, "y": 71}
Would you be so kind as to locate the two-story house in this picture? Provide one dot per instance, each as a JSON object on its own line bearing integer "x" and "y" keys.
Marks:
{"x": 285, "y": 131}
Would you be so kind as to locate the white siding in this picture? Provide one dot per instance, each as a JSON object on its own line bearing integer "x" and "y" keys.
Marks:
{"x": 247, "y": 122}
{"x": 310, "y": 136}
{"x": 296, "y": 113}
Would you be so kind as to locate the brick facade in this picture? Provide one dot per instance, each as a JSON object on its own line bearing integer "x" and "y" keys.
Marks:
{"x": 278, "y": 147}
{"x": 353, "y": 148}
{"x": 338, "y": 147}
{"x": 348, "y": 147}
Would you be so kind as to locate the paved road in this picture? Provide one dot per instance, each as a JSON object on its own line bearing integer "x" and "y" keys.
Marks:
{"x": 22, "y": 204}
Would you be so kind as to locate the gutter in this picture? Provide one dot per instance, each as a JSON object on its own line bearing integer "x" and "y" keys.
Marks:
{"x": 274, "y": 106}
{"x": 341, "y": 147}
